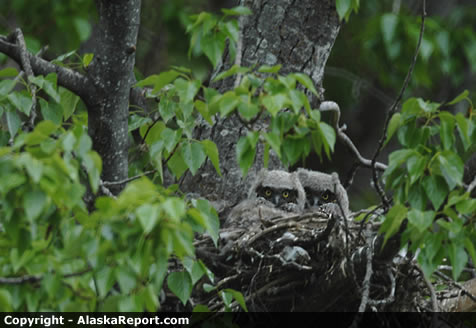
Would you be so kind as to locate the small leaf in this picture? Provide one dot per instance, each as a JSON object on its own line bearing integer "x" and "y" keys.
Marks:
{"x": 436, "y": 190}
{"x": 87, "y": 59}
{"x": 393, "y": 220}
{"x": 393, "y": 125}
{"x": 180, "y": 284}
{"x": 237, "y": 11}
{"x": 33, "y": 203}
{"x": 270, "y": 69}
{"x": 13, "y": 122}
{"x": 245, "y": 152}
{"x": 175, "y": 208}
{"x": 186, "y": 90}
{"x": 148, "y": 216}
{"x": 194, "y": 155}
{"x": 447, "y": 130}
{"x": 21, "y": 102}
{"x": 213, "y": 47}
{"x": 238, "y": 297}
{"x": 458, "y": 258}
{"x": 8, "y": 72}
{"x": 343, "y": 6}
{"x": 463, "y": 95}
{"x": 305, "y": 81}
{"x": 274, "y": 141}
{"x": 51, "y": 111}
{"x": 228, "y": 102}
{"x": 421, "y": 220}
{"x": 212, "y": 152}
{"x": 451, "y": 167}
{"x": 159, "y": 81}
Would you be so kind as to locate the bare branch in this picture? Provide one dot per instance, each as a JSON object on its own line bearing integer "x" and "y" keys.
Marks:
{"x": 333, "y": 107}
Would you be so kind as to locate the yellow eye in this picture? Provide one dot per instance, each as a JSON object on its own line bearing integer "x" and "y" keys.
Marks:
{"x": 325, "y": 196}
{"x": 285, "y": 194}
{"x": 268, "y": 192}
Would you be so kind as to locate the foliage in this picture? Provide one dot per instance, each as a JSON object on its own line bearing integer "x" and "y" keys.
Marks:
{"x": 116, "y": 256}
{"x": 426, "y": 178}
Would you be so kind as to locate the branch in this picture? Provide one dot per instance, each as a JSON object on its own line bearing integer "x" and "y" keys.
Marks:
{"x": 71, "y": 80}
{"x": 394, "y": 109}
{"x": 333, "y": 107}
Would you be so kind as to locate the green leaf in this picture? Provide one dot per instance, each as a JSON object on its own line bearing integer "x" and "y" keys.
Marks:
{"x": 148, "y": 215}
{"x": 237, "y": 11}
{"x": 83, "y": 28}
{"x": 343, "y": 7}
{"x": 270, "y": 69}
{"x": 6, "y": 86}
{"x": 305, "y": 81}
{"x": 274, "y": 141}
{"x": 274, "y": 103}
{"x": 126, "y": 279}
{"x": 8, "y": 72}
{"x": 33, "y": 203}
{"x": 176, "y": 164}
{"x": 416, "y": 165}
{"x": 458, "y": 258}
{"x": 451, "y": 167}
{"x": 447, "y": 130}
{"x": 13, "y": 122}
{"x": 465, "y": 129}
{"x": 469, "y": 245}
{"x": 213, "y": 47}
{"x": 388, "y": 25}
{"x": 51, "y": 111}
{"x": 187, "y": 90}
{"x": 328, "y": 137}
{"x": 393, "y": 125}
{"x": 21, "y": 102}
{"x": 248, "y": 110}
{"x": 245, "y": 153}
{"x": 87, "y": 59}
{"x": 421, "y": 220}
{"x": 5, "y": 300}
{"x": 159, "y": 81}
{"x": 463, "y": 95}
{"x": 228, "y": 102}
{"x": 212, "y": 152}
{"x": 68, "y": 102}
{"x": 175, "y": 208}
{"x": 435, "y": 189}
{"x": 211, "y": 220}
{"x": 393, "y": 220}
{"x": 180, "y": 284}
{"x": 238, "y": 297}
{"x": 193, "y": 154}
{"x": 235, "y": 69}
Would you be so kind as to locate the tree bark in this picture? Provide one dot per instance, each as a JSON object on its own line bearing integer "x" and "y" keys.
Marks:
{"x": 299, "y": 35}
{"x": 112, "y": 73}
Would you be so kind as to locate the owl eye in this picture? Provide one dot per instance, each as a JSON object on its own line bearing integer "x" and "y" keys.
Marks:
{"x": 325, "y": 196}
{"x": 285, "y": 194}
{"x": 268, "y": 192}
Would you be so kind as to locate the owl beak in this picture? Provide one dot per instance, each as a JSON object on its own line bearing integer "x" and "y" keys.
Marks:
{"x": 276, "y": 200}
{"x": 316, "y": 201}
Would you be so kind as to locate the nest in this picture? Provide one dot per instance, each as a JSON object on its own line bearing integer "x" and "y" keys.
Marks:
{"x": 312, "y": 262}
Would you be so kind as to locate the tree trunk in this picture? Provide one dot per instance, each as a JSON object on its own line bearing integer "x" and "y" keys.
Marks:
{"x": 299, "y": 35}
{"x": 112, "y": 73}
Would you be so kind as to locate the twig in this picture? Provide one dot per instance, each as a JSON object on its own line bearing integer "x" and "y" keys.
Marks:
{"x": 456, "y": 284}
{"x": 115, "y": 183}
{"x": 429, "y": 285}
{"x": 471, "y": 186}
{"x": 368, "y": 274}
{"x": 391, "y": 297}
{"x": 332, "y": 106}
{"x": 393, "y": 110}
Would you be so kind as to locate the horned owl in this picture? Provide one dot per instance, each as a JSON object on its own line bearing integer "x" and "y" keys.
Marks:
{"x": 324, "y": 191}
{"x": 274, "y": 194}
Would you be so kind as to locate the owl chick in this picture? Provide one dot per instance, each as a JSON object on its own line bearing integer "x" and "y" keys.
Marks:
{"x": 274, "y": 194}
{"x": 324, "y": 191}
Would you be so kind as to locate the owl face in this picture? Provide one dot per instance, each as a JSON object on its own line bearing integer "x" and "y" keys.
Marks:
{"x": 280, "y": 189}
{"x": 316, "y": 198}
{"x": 278, "y": 196}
